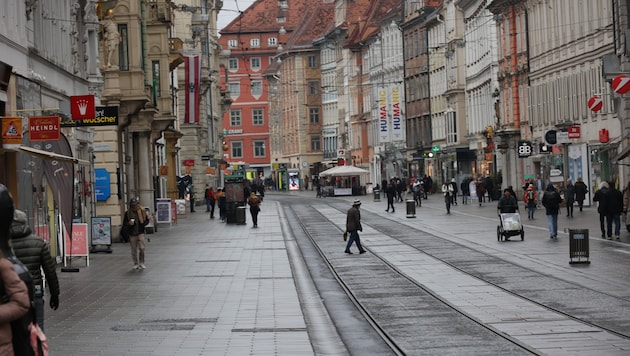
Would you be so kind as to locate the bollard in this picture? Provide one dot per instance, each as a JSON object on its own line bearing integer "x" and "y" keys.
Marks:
{"x": 377, "y": 195}
{"x": 411, "y": 209}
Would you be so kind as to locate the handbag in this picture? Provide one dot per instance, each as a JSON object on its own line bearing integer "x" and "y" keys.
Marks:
{"x": 345, "y": 235}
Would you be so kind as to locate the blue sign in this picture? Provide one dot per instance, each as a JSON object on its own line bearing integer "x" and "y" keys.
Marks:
{"x": 101, "y": 184}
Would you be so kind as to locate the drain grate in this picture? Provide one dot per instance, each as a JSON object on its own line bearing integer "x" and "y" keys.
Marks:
{"x": 218, "y": 261}
{"x": 154, "y": 327}
{"x": 170, "y": 321}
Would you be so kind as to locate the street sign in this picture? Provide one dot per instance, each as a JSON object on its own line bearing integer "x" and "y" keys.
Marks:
{"x": 563, "y": 137}
{"x": 435, "y": 149}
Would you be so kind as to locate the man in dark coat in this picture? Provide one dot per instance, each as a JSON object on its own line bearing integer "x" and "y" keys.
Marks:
{"x": 614, "y": 206}
{"x": 391, "y": 193}
{"x": 551, "y": 201}
{"x": 569, "y": 197}
{"x": 353, "y": 226}
{"x": 602, "y": 202}
{"x": 34, "y": 253}
{"x": 507, "y": 203}
{"x": 580, "y": 192}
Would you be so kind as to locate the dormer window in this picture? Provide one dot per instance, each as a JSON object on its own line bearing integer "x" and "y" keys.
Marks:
{"x": 281, "y": 19}
{"x": 272, "y": 42}
{"x": 283, "y": 5}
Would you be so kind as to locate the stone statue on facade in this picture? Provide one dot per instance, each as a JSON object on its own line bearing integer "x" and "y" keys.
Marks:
{"x": 111, "y": 40}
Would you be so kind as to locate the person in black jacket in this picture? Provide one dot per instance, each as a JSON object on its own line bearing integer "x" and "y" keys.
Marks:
{"x": 34, "y": 253}
{"x": 353, "y": 226}
{"x": 391, "y": 193}
{"x": 614, "y": 206}
{"x": 507, "y": 203}
{"x": 602, "y": 205}
{"x": 135, "y": 220}
{"x": 551, "y": 201}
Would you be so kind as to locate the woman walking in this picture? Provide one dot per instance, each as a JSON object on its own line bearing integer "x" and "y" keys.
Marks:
{"x": 569, "y": 197}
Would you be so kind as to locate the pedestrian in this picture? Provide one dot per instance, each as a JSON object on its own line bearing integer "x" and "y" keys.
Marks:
{"x": 447, "y": 190}
{"x": 16, "y": 304}
{"x": 507, "y": 203}
{"x": 626, "y": 203}
{"x": 212, "y": 200}
{"x": 261, "y": 191}
{"x": 353, "y": 226}
{"x": 191, "y": 197}
{"x": 254, "y": 207}
{"x": 34, "y": 253}
{"x": 551, "y": 201}
{"x": 222, "y": 204}
{"x": 481, "y": 190}
{"x": 580, "y": 192}
{"x": 454, "y": 195}
{"x": 569, "y": 197}
{"x": 416, "y": 188}
{"x": 135, "y": 220}
{"x": 391, "y": 193}
{"x": 614, "y": 207}
{"x": 530, "y": 200}
{"x": 465, "y": 190}
{"x": 206, "y": 196}
{"x": 600, "y": 197}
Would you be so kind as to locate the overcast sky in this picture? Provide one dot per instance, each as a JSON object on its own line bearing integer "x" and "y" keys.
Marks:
{"x": 230, "y": 11}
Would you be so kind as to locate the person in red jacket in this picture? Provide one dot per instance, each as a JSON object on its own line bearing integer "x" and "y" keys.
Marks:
{"x": 530, "y": 201}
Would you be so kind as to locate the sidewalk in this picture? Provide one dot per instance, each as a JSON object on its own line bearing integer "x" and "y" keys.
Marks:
{"x": 209, "y": 289}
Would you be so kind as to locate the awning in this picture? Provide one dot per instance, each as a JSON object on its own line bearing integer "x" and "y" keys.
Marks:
{"x": 51, "y": 155}
{"x": 623, "y": 154}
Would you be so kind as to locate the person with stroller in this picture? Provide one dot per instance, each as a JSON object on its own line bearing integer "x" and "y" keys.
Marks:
{"x": 507, "y": 203}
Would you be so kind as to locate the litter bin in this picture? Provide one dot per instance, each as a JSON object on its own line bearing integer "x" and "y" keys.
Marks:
{"x": 578, "y": 246}
{"x": 377, "y": 195}
{"x": 411, "y": 208}
{"x": 241, "y": 214}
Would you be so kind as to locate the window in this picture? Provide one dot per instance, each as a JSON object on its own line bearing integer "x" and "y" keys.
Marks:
{"x": 316, "y": 144}
{"x": 235, "y": 117}
{"x": 259, "y": 149}
{"x": 257, "y": 117}
{"x": 235, "y": 89}
{"x": 272, "y": 42}
{"x": 233, "y": 64}
{"x": 232, "y": 43}
{"x": 281, "y": 19}
{"x": 237, "y": 149}
{"x": 123, "y": 48}
{"x": 256, "y": 88}
{"x": 156, "y": 81}
{"x": 313, "y": 115}
{"x": 313, "y": 87}
{"x": 254, "y": 42}
{"x": 254, "y": 62}
{"x": 312, "y": 61}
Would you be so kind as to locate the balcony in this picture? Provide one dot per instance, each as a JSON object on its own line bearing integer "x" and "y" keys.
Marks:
{"x": 175, "y": 57}
{"x": 160, "y": 11}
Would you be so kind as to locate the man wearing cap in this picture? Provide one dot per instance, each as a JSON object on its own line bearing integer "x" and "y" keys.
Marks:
{"x": 353, "y": 226}
{"x": 135, "y": 220}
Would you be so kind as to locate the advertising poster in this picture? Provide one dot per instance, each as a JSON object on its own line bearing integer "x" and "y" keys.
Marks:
{"x": 78, "y": 245}
{"x": 101, "y": 231}
{"x": 181, "y": 206}
{"x": 294, "y": 182}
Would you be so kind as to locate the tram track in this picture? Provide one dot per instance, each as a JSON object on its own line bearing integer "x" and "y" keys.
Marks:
{"x": 442, "y": 250}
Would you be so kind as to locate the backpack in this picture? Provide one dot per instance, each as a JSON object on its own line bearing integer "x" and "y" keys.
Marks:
{"x": 28, "y": 337}
{"x": 530, "y": 196}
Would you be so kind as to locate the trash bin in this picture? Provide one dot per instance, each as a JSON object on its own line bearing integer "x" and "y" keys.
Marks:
{"x": 578, "y": 246}
{"x": 411, "y": 208}
{"x": 241, "y": 214}
{"x": 377, "y": 195}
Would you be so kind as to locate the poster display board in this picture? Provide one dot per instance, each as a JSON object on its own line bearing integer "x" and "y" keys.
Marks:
{"x": 234, "y": 192}
{"x": 101, "y": 231}
{"x": 180, "y": 206}
{"x": 163, "y": 212}
{"x": 77, "y": 246}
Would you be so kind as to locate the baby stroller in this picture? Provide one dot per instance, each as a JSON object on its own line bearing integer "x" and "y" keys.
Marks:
{"x": 510, "y": 226}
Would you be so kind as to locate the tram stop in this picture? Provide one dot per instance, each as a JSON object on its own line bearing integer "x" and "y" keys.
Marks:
{"x": 578, "y": 246}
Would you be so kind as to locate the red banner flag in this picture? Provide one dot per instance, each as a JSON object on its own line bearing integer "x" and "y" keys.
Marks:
{"x": 193, "y": 77}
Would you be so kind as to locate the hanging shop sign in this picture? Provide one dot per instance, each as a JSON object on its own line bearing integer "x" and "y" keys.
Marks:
{"x": 621, "y": 84}
{"x": 11, "y": 132}
{"x": 524, "y": 149}
{"x": 595, "y": 103}
{"x": 44, "y": 128}
{"x": 82, "y": 107}
{"x": 105, "y": 116}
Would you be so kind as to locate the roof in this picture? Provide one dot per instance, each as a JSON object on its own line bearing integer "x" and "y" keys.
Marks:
{"x": 316, "y": 22}
{"x": 262, "y": 16}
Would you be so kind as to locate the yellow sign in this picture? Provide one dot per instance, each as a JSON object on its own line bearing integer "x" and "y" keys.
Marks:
{"x": 211, "y": 171}
{"x": 189, "y": 170}
{"x": 11, "y": 132}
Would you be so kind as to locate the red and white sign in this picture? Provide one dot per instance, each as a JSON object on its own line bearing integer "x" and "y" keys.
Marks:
{"x": 621, "y": 84}
{"x": 189, "y": 163}
{"x": 79, "y": 244}
{"x": 341, "y": 153}
{"x": 574, "y": 131}
{"x": 595, "y": 103}
{"x": 82, "y": 107}
{"x": 44, "y": 128}
{"x": 193, "y": 76}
